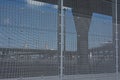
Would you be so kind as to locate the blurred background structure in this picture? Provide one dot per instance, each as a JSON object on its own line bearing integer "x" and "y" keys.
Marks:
{"x": 30, "y": 39}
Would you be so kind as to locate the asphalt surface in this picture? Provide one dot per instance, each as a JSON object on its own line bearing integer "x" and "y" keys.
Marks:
{"x": 105, "y": 76}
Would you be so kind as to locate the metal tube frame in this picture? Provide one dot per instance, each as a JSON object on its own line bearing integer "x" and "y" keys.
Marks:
{"x": 116, "y": 41}
{"x": 61, "y": 35}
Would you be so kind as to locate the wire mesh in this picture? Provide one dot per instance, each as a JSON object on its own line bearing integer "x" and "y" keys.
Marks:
{"x": 29, "y": 40}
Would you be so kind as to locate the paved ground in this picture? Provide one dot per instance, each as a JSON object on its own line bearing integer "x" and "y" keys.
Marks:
{"x": 105, "y": 76}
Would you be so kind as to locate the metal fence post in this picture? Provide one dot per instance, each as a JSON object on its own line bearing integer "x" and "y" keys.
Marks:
{"x": 60, "y": 35}
{"x": 116, "y": 41}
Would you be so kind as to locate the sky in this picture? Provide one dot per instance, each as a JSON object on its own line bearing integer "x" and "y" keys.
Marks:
{"x": 31, "y": 24}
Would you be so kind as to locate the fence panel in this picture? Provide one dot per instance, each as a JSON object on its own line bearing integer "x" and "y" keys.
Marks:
{"x": 30, "y": 40}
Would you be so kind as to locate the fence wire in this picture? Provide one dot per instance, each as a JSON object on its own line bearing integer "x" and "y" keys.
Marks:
{"x": 29, "y": 42}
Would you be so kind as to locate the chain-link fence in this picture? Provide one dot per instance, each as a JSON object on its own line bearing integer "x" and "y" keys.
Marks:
{"x": 30, "y": 40}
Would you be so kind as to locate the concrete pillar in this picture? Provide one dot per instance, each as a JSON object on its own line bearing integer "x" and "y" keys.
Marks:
{"x": 82, "y": 24}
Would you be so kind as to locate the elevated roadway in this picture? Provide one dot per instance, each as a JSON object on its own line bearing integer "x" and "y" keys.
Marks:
{"x": 82, "y": 11}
